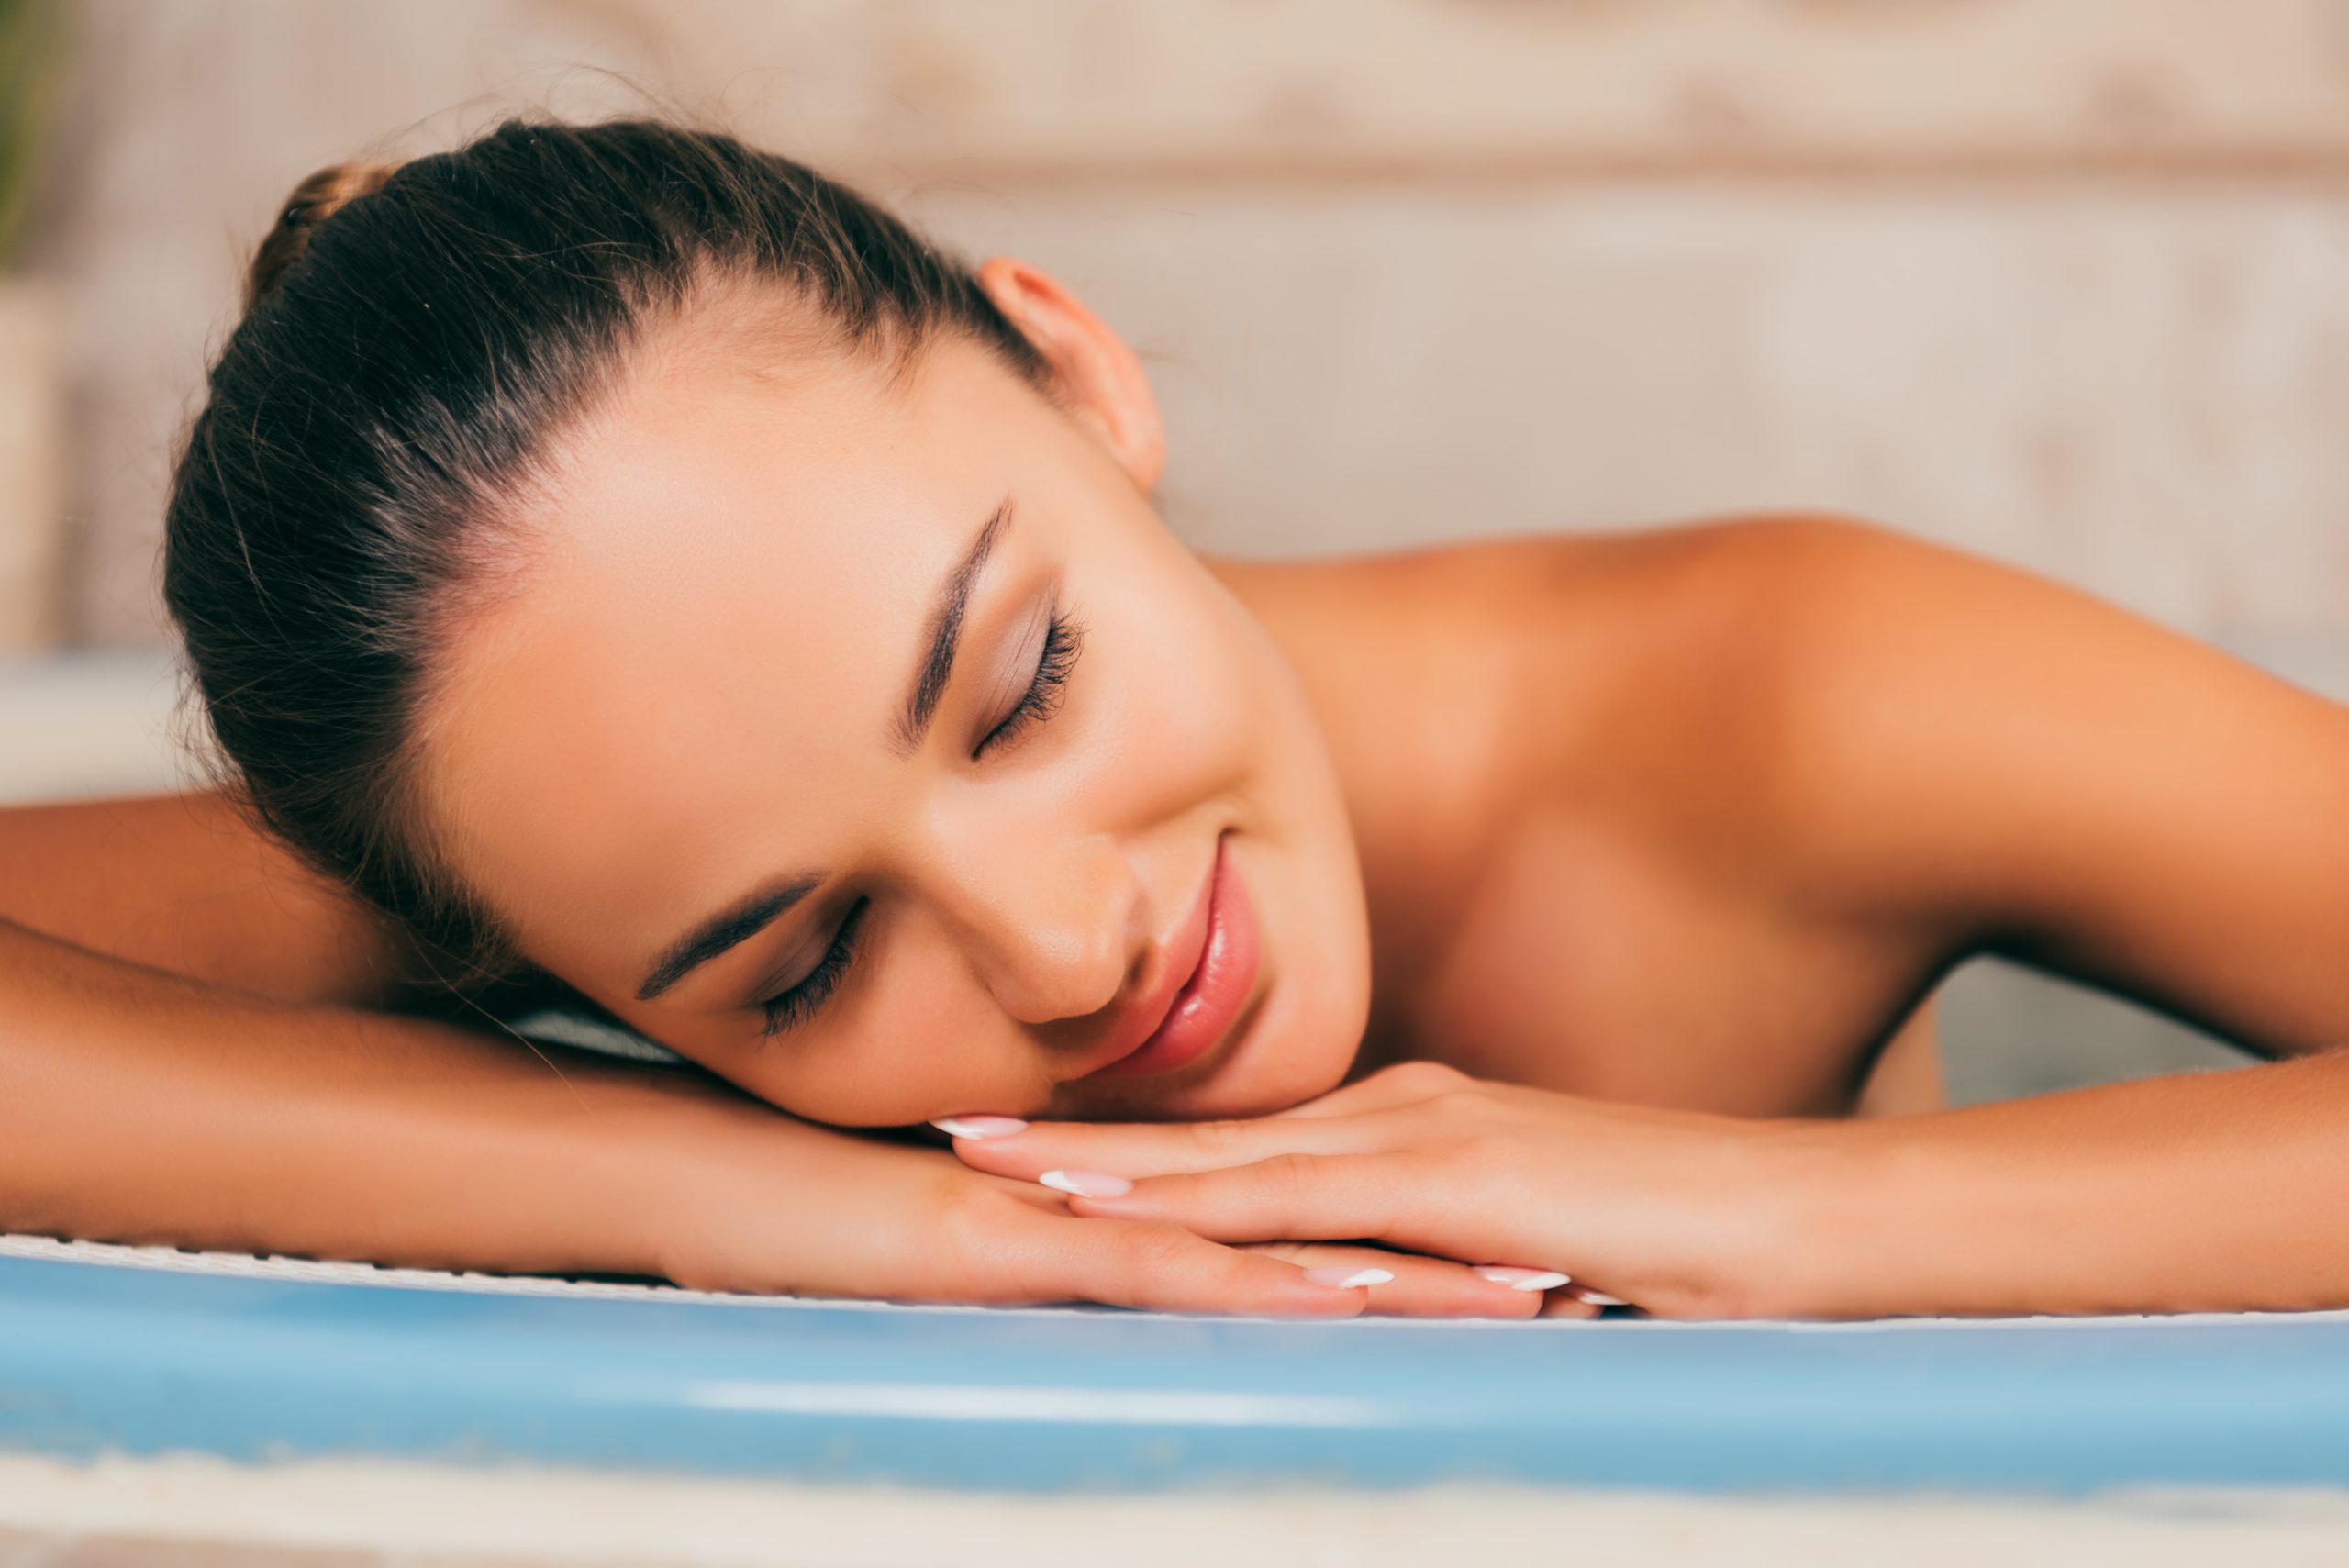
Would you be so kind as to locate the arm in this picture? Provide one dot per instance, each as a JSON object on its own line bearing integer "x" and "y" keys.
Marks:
{"x": 183, "y": 1060}
{"x": 2206, "y": 1192}
{"x": 184, "y": 884}
{"x": 2009, "y": 766}
{"x": 2047, "y": 777}
{"x": 145, "y": 1106}
{"x": 227, "y": 1107}
{"x": 2212, "y": 1191}
{"x": 140, "y": 1106}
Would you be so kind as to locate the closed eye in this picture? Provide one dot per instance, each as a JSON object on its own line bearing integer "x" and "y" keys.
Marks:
{"x": 1063, "y": 640}
{"x": 796, "y": 1006}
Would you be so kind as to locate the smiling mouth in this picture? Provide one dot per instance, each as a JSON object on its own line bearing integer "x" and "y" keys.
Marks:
{"x": 1198, "y": 1014}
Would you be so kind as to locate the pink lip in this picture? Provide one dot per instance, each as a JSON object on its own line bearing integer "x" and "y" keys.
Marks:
{"x": 1195, "y": 1011}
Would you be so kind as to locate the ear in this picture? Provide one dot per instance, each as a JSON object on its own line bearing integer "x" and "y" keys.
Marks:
{"x": 1097, "y": 375}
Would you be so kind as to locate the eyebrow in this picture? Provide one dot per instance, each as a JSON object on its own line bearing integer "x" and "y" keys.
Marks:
{"x": 738, "y": 922}
{"x": 726, "y": 930}
{"x": 944, "y": 633}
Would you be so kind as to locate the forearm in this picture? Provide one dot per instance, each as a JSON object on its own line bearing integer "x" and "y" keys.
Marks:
{"x": 187, "y": 884}
{"x": 2206, "y": 1192}
{"x": 137, "y": 1106}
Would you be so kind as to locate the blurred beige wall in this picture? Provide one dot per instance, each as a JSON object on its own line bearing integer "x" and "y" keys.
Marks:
{"x": 2063, "y": 280}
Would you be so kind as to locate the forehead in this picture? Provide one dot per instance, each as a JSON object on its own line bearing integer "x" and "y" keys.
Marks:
{"x": 710, "y": 627}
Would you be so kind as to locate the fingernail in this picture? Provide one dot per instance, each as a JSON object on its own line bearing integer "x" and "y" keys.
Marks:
{"x": 978, "y": 1126}
{"x": 1086, "y": 1184}
{"x": 1524, "y": 1279}
{"x": 1596, "y": 1298}
{"x": 1348, "y": 1279}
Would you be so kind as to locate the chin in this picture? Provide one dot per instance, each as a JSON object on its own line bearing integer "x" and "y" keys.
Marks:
{"x": 1287, "y": 1061}
{"x": 1300, "y": 1039}
{"x": 1301, "y": 1035}
{"x": 1254, "y": 1076}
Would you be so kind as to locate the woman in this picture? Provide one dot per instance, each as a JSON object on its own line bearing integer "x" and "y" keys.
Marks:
{"x": 613, "y": 555}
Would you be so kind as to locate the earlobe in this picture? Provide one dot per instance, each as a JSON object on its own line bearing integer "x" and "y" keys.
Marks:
{"x": 1095, "y": 371}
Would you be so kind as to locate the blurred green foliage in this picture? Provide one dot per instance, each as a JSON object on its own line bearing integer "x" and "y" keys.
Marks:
{"x": 32, "y": 35}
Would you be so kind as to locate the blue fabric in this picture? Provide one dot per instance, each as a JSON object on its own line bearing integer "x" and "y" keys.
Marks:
{"x": 96, "y": 1359}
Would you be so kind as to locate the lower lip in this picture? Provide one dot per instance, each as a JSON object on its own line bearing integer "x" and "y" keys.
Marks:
{"x": 1204, "y": 1009}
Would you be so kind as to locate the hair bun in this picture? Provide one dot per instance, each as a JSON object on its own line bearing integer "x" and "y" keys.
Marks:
{"x": 314, "y": 200}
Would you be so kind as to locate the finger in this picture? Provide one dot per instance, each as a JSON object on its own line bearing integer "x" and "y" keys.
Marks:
{"x": 1290, "y": 1197}
{"x": 1416, "y": 1287}
{"x": 1567, "y": 1304}
{"x": 1404, "y": 1084}
{"x": 1156, "y": 1149}
{"x": 1162, "y": 1268}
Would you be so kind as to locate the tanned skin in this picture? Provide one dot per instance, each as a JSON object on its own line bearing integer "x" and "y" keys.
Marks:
{"x": 1591, "y": 877}
{"x": 1689, "y": 818}
{"x": 1694, "y": 816}
{"x": 1705, "y": 812}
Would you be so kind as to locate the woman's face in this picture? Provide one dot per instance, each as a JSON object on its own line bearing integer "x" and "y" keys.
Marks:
{"x": 873, "y": 743}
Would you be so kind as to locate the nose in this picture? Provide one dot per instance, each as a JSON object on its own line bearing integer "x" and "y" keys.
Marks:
{"x": 1054, "y": 923}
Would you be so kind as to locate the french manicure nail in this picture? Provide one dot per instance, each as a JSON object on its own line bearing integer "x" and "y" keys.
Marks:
{"x": 979, "y": 1127}
{"x": 1344, "y": 1278}
{"x": 1596, "y": 1298}
{"x": 1524, "y": 1279}
{"x": 1086, "y": 1184}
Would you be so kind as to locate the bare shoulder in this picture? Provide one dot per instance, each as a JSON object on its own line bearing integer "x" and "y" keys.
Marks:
{"x": 1588, "y": 654}
{"x": 1872, "y": 730}
{"x": 2002, "y": 761}
{"x": 1631, "y": 677}
{"x": 1821, "y": 716}
{"x": 1674, "y": 581}
{"x": 1896, "y": 663}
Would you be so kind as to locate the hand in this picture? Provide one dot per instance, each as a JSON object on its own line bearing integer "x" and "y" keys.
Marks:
{"x": 777, "y": 1205}
{"x": 1659, "y": 1208}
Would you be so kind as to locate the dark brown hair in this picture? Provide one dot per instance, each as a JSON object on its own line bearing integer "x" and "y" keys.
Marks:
{"x": 415, "y": 336}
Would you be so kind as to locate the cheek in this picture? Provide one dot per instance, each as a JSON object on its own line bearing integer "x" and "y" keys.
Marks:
{"x": 1234, "y": 723}
{"x": 879, "y": 1081}
{"x": 1316, "y": 920}
{"x": 1169, "y": 722}
{"x": 911, "y": 1039}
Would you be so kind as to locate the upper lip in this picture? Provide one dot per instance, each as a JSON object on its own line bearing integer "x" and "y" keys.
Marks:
{"x": 1179, "y": 957}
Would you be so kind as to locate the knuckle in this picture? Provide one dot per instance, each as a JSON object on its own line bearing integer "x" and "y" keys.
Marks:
{"x": 1217, "y": 1138}
{"x": 1469, "y": 1155}
{"x": 1290, "y": 1173}
{"x": 1151, "y": 1249}
{"x": 1422, "y": 1077}
{"x": 1300, "y": 1252}
{"x": 969, "y": 1250}
{"x": 1462, "y": 1106}
{"x": 969, "y": 1211}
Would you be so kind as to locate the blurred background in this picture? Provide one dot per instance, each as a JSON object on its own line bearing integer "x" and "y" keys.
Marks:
{"x": 2062, "y": 281}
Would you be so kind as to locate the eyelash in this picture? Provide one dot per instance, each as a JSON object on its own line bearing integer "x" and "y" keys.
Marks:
{"x": 1063, "y": 640}
{"x": 796, "y": 1006}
